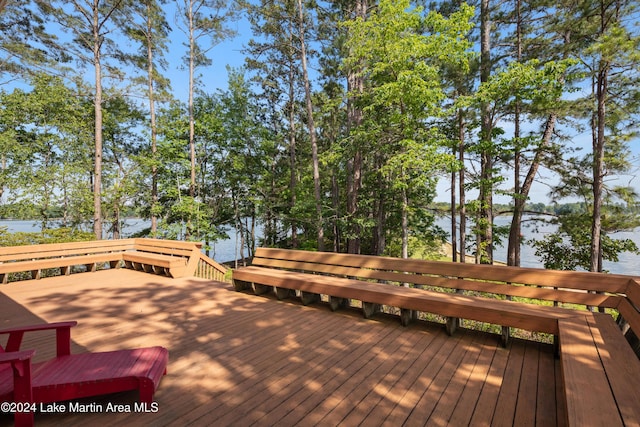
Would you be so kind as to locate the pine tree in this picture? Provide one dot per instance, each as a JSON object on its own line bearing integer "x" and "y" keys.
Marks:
{"x": 151, "y": 31}
{"x": 88, "y": 21}
{"x": 204, "y": 23}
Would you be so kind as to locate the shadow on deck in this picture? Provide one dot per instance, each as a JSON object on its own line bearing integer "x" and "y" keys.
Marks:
{"x": 240, "y": 359}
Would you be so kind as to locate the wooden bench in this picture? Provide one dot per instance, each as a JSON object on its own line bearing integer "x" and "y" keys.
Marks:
{"x": 168, "y": 257}
{"x": 409, "y": 300}
{"x": 478, "y": 287}
{"x": 171, "y": 258}
{"x": 34, "y": 259}
{"x": 592, "y": 347}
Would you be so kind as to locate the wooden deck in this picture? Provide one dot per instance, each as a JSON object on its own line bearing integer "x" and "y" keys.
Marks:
{"x": 240, "y": 359}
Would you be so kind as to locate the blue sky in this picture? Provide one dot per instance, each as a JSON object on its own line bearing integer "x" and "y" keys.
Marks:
{"x": 227, "y": 52}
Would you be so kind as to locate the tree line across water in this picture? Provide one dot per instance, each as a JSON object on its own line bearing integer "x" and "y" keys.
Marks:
{"x": 336, "y": 131}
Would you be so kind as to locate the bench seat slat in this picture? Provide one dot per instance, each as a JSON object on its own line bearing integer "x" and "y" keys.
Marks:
{"x": 174, "y": 266}
{"x": 589, "y": 400}
{"x": 620, "y": 364}
{"x": 166, "y": 261}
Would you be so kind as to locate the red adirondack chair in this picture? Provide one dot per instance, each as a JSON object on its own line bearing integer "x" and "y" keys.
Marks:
{"x": 71, "y": 376}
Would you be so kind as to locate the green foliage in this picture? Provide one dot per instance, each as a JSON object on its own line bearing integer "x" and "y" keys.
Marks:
{"x": 536, "y": 85}
{"x": 570, "y": 247}
{"x": 51, "y": 235}
{"x": 405, "y": 52}
{"x": 39, "y": 134}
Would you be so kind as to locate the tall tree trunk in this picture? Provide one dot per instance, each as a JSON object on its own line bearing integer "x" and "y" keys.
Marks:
{"x": 192, "y": 126}
{"x": 405, "y": 224}
{"x": 602, "y": 85}
{"x": 192, "y": 142}
{"x": 484, "y": 248}
{"x": 3, "y": 167}
{"x": 312, "y": 129}
{"x": 463, "y": 208}
{"x": 355, "y": 85}
{"x": 454, "y": 226}
{"x": 379, "y": 237}
{"x": 116, "y": 222}
{"x": 292, "y": 151}
{"x": 335, "y": 203}
{"x": 97, "y": 169}
{"x": 513, "y": 257}
{"x": 513, "y": 247}
{"x": 152, "y": 113}
{"x": 598, "y": 167}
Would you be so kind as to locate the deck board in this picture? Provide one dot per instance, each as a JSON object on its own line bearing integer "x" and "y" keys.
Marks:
{"x": 240, "y": 359}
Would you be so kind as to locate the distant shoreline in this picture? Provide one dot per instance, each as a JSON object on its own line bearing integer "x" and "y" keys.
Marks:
{"x": 447, "y": 250}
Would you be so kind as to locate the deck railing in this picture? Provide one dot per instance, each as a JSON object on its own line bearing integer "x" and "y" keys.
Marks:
{"x": 209, "y": 269}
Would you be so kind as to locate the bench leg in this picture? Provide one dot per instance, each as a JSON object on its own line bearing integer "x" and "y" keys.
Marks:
{"x": 259, "y": 289}
{"x": 451, "y": 325}
{"x": 282, "y": 293}
{"x": 407, "y": 316}
{"x": 4, "y": 278}
{"x": 335, "y": 303}
{"x": 309, "y": 297}
{"x": 506, "y": 336}
{"x": 240, "y": 285}
{"x": 35, "y": 274}
{"x": 369, "y": 309}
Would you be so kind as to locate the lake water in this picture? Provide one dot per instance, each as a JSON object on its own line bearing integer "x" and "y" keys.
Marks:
{"x": 628, "y": 264}
{"x": 222, "y": 251}
{"x": 227, "y": 250}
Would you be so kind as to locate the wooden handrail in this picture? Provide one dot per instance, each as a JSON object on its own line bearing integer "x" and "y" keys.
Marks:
{"x": 209, "y": 269}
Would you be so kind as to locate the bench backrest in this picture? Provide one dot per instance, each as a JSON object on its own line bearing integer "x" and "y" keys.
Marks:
{"x": 166, "y": 247}
{"x": 54, "y": 250}
{"x": 547, "y": 285}
{"x": 629, "y": 308}
{"x": 57, "y": 250}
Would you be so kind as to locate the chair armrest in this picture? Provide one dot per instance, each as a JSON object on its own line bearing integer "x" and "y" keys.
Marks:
{"x": 22, "y": 389}
{"x": 21, "y": 363}
{"x": 63, "y": 335}
{"x": 16, "y": 356}
{"x": 39, "y": 327}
